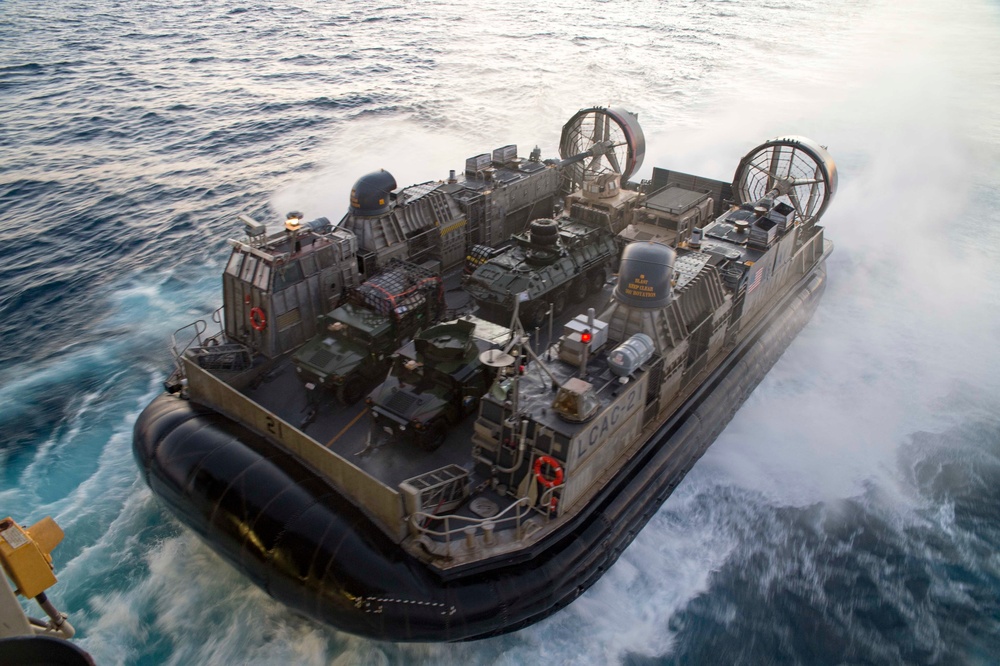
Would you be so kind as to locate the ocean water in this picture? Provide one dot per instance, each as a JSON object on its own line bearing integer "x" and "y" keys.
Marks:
{"x": 850, "y": 513}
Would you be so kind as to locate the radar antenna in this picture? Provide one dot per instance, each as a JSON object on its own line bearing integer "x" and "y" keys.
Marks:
{"x": 794, "y": 168}
{"x": 601, "y": 140}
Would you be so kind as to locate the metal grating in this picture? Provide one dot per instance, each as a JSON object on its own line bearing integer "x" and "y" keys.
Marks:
{"x": 400, "y": 402}
{"x": 321, "y": 358}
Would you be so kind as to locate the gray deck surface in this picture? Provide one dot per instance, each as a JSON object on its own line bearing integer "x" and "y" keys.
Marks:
{"x": 348, "y": 430}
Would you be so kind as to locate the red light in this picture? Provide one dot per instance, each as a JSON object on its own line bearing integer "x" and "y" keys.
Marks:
{"x": 585, "y": 337}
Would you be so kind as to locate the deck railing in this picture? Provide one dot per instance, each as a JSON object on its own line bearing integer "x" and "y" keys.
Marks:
{"x": 468, "y": 529}
{"x": 195, "y": 337}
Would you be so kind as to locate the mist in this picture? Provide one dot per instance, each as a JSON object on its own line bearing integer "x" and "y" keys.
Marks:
{"x": 852, "y": 500}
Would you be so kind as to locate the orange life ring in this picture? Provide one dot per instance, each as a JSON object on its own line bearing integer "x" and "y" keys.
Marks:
{"x": 557, "y": 469}
{"x": 257, "y": 319}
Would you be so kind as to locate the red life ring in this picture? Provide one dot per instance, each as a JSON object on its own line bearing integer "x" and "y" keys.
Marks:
{"x": 557, "y": 469}
{"x": 257, "y": 319}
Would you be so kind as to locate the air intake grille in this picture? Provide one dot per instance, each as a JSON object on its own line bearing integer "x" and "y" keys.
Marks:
{"x": 290, "y": 318}
{"x": 321, "y": 358}
{"x": 400, "y": 402}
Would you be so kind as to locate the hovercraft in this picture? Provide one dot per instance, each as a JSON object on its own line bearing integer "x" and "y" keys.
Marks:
{"x": 497, "y": 471}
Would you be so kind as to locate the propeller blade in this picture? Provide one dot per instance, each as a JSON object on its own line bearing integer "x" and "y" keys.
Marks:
{"x": 613, "y": 160}
{"x": 774, "y": 164}
{"x": 798, "y": 206}
{"x": 814, "y": 190}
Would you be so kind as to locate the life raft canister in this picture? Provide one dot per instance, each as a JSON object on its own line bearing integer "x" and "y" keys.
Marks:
{"x": 557, "y": 471}
{"x": 258, "y": 319}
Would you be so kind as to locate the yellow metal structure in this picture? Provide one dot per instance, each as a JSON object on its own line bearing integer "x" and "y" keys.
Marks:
{"x": 25, "y": 554}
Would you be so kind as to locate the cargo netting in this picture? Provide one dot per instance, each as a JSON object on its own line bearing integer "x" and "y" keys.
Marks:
{"x": 401, "y": 289}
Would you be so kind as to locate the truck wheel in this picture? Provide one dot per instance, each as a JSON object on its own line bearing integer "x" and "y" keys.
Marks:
{"x": 434, "y": 437}
{"x": 544, "y": 227}
{"x": 597, "y": 278}
{"x": 350, "y": 391}
{"x": 559, "y": 303}
{"x": 535, "y": 316}
{"x": 544, "y": 232}
{"x": 578, "y": 290}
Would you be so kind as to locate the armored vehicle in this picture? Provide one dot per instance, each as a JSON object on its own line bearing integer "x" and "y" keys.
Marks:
{"x": 556, "y": 261}
{"x": 435, "y": 381}
{"x": 672, "y": 213}
{"x": 356, "y": 340}
{"x": 535, "y": 494}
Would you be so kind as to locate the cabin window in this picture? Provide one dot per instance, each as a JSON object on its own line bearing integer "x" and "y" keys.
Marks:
{"x": 664, "y": 223}
{"x": 359, "y": 335}
{"x": 287, "y": 275}
{"x": 235, "y": 261}
{"x": 408, "y": 370}
{"x": 324, "y": 256}
{"x": 249, "y": 265}
{"x": 263, "y": 275}
{"x": 308, "y": 264}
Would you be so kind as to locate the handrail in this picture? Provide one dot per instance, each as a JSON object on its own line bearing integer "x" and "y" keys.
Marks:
{"x": 200, "y": 327}
{"x": 217, "y": 316}
{"x": 545, "y": 501}
{"x": 419, "y": 518}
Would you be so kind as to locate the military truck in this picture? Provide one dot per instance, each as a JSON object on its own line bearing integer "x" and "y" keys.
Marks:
{"x": 355, "y": 343}
{"x": 436, "y": 380}
{"x": 554, "y": 262}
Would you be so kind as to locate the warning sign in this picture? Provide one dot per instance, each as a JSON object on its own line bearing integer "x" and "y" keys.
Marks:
{"x": 640, "y": 288}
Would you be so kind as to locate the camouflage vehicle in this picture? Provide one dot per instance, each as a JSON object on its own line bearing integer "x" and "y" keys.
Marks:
{"x": 555, "y": 262}
{"x": 356, "y": 341}
{"x": 436, "y": 380}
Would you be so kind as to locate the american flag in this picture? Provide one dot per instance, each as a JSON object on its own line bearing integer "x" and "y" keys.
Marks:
{"x": 755, "y": 281}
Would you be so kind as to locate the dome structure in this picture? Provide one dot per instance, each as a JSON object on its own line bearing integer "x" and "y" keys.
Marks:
{"x": 644, "y": 276}
{"x": 373, "y": 194}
